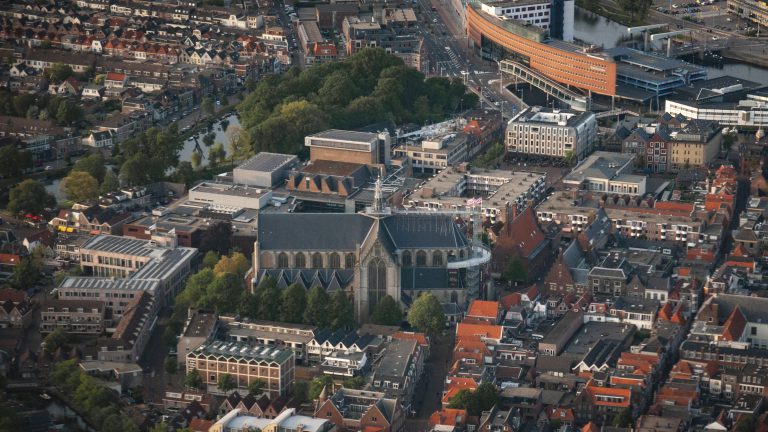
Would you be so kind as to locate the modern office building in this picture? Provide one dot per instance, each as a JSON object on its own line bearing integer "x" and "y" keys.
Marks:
{"x": 727, "y": 100}
{"x": 349, "y": 146}
{"x": 542, "y": 131}
{"x": 435, "y": 153}
{"x": 123, "y": 264}
{"x": 617, "y": 72}
{"x": 557, "y": 16}
{"x": 245, "y": 363}
{"x": 240, "y": 420}
{"x": 264, "y": 170}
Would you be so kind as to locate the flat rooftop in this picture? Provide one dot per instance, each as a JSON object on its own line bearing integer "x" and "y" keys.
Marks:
{"x": 345, "y": 135}
{"x": 649, "y": 61}
{"x": 599, "y": 165}
{"x": 550, "y": 116}
{"x": 266, "y": 162}
{"x": 593, "y": 332}
{"x": 230, "y": 189}
{"x": 103, "y": 283}
{"x": 342, "y": 169}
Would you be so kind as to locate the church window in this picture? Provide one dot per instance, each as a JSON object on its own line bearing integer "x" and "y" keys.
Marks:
{"x": 421, "y": 259}
{"x": 377, "y": 282}
{"x": 300, "y": 261}
{"x": 334, "y": 261}
{"x": 282, "y": 260}
{"x": 437, "y": 259}
{"x": 407, "y": 259}
{"x": 317, "y": 260}
{"x": 349, "y": 260}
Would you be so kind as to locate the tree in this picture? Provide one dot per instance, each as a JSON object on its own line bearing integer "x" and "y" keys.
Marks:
{"x": 59, "y": 72}
{"x": 624, "y": 419}
{"x": 256, "y": 387}
{"x": 342, "y": 311}
{"x": 13, "y": 162}
{"x": 55, "y": 340}
{"x": 294, "y": 303}
{"x": 236, "y": 263}
{"x": 216, "y": 154}
{"x": 269, "y": 299}
{"x": 207, "y": 105}
{"x": 217, "y": 238}
{"x": 240, "y": 143}
{"x": 196, "y": 159}
{"x": 316, "y": 386}
{"x": 80, "y": 186}
{"x": 224, "y": 293}
{"x": 171, "y": 365}
{"x": 110, "y": 183}
{"x": 569, "y": 157}
{"x": 226, "y": 383}
{"x": 193, "y": 380}
{"x": 300, "y": 391}
{"x": 68, "y": 113}
{"x": 22, "y": 103}
{"x": 92, "y": 164}
{"x": 30, "y": 196}
{"x": 210, "y": 259}
{"x": 160, "y": 427}
{"x": 209, "y": 138}
{"x": 483, "y": 398}
{"x": 317, "y": 311}
{"x": 387, "y": 312}
{"x": 746, "y": 423}
{"x": 357, "y": 382}
{"x": 27, "y": 272}
{"x": 426, "y": 314}
{"x": 515, "y": 271}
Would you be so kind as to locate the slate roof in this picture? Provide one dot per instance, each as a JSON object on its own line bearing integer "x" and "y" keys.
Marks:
{"x": 312, "y": 231}
{"x": 422, "y": 278}
{"x": 321, "y": 231}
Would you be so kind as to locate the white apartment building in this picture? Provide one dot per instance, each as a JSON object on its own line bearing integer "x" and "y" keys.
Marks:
{"x": 542, "y": 131}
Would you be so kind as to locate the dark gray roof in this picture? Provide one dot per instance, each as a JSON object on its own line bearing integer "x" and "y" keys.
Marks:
{"x": 415, "y": 231}
{"x": 753, "y": 308}
{"x": 312, "y": 231}
{"x": 331, "y": 280}
{"x": 344, "y": 231}
{"x": 603, "y": 353}
{"x": 423, "y": 278}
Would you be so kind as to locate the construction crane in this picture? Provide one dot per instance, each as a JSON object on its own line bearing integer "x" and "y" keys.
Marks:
{"x": 668, "y": 37}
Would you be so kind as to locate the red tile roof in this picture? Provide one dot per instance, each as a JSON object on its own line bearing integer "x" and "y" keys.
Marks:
{"x": 484, "y": 309}
{"x": 734, "y": 325}
{"x": 509, "y": 300}
{"x": 12, "y": 295}
{"x": 114, "y": 76}
{"x": 421, "y": 338}
{"x": 9, "y": 259}
{"x": 448, "y": 417}
{"x": 464, "y": 330}
{"x": 623, "y": 395}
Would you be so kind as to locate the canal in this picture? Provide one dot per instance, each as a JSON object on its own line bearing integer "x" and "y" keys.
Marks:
{"x": 595, "y": 29}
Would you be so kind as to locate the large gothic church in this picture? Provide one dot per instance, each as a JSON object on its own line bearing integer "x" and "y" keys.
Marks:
{"x": 368, "y": 255}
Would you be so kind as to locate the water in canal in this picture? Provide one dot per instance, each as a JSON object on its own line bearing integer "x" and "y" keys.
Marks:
{"x": 598, "y": 30}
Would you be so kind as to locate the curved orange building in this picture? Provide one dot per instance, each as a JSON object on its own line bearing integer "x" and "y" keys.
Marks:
{"x": 560, "y": 61}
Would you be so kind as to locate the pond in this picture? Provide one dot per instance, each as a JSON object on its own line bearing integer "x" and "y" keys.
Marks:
{"x": 196, "y": 141}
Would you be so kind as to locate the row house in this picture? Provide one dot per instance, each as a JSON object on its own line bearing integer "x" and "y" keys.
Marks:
{"x": 15, "y": 309}
{"x": 353, "y": 410}
{"x": 126, "y": 126}
{"x": 73, "y": 316}
{"x": 45, "y": 59}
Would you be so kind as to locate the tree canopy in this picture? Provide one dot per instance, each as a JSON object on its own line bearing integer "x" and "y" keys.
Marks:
{"x": 294, "y": 303}
{"x": 426, "y": 314}
{"x": 387, "y": 312}
{"x": 30, "y": 196}
{"x": 80, "y": 186}
{"x": 147, "y": 157}
{"x": 13, "y": 162}
{"x": 92, "y": 164}
{"x": 483, "y": 398}
{"x": 368, "y": 87}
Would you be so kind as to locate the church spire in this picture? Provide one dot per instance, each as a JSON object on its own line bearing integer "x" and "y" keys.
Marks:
{"x": 378, "y": 199}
